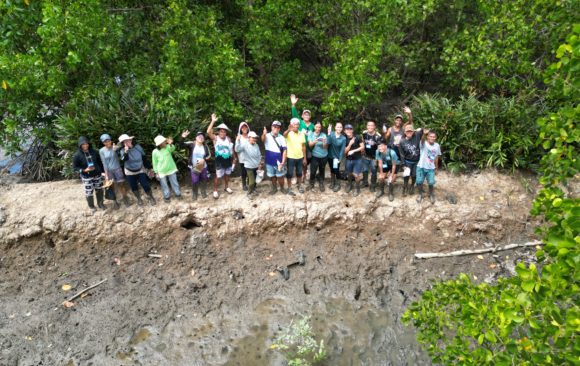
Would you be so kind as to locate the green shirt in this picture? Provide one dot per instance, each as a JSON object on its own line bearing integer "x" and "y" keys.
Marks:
{"x": 163, "y": 163}
{"x": 303, "y": 127}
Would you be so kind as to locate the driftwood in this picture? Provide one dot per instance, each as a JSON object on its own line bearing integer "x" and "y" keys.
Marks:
{"x": 155, "y": 255}
{"x": 476, "y": 251}
{"x": 83, "y": 291}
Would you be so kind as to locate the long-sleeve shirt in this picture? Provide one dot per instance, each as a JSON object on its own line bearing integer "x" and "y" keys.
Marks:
{"x": 336, "y": 146}
{"x": 251, "y": 153}
{"x": 163, "y": 163}
{"x": 110, "y": 159}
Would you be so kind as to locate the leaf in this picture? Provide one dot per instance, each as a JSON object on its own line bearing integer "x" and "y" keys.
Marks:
{"x": 528, "y": 286}
{"x": 4, "y": 85}
{"x": 66, "y": 287}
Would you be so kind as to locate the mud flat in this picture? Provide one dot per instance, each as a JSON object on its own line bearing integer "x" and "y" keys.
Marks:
{"x": 211, "y": 294}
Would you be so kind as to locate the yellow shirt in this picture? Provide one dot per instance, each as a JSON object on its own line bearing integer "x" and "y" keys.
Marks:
{"x": 294, "y": 143}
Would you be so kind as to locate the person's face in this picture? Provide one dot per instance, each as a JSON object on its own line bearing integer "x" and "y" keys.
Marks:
{"x": 371, "y": 126}
{"x": 222, "y": 133}
{"x": 398, "y": 122}
{"x": 306, "y": 116}
{"x": 348, "y": 132}
{"x": 128, "y": 143}
{"x": 200, "y": 139}
{"x": 317, "y": 128}
{"x": 252, "y": 140}
{"x": 162, "y": 145}
{"x": 275, "y": 130}
{"x": 85, "y": 147}
{"x": 409, "y": 134}
{"x": 338, "y": 128}
{"x": 382, "y": 148}
{"x": 294, "y": 127}
{"x": 431, "y": 138}
{"x": 245, "y": 129}
{"x": 107, "y": 143}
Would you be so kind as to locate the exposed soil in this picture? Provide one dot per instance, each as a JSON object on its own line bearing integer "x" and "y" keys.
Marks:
{"x": 214, "y": 297}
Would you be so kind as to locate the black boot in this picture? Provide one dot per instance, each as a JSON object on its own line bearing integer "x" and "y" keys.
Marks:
{"x": 411, "y": 190}
{"x": 116, "y": 205}
{"x": 91, "y": 203}
{"x": 357, "y": 189}
{"x": 365, "y": 179}
{"x": 138, "y": 196}
{"x": 332, "y": 182}
{"x": 126, "y": 201}
{"x": 350, "y": 184}
{"x": 381, "y": 190}
{"x": 431, "y": 194}
{"x": 405, "y": 186}
{"x": 420, "y": 196}
{"x": 151, "y": 198}
{"x": 336, "y": 186}
{"x": 321, "y": 185}
{"x": 194, "y": 192}
{"x": 100, "y": 199}
{"x": 391, "y": 192}
{"x": 373, "y": 183}
{"x": 203, "y": 188}
{"x": 245, "y": 183}
{"x": 310, "y": 185}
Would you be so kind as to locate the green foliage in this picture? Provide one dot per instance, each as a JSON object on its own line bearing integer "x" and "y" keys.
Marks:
{"x": 298, "y": 344}
{"x": 532, "y": 318}
{"x": 496, "y": 133}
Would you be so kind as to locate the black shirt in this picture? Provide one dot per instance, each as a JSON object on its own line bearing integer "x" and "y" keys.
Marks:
{"x": 410, "y": 149}
{"x": 356, "y": 144}
{"x": 371, "y": 144}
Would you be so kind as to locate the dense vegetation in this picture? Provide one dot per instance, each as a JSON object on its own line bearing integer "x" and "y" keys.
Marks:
{"x": 146, "y": 67}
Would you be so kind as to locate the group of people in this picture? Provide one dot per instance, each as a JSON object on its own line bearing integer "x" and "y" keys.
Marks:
{"x": 303, "y": 146}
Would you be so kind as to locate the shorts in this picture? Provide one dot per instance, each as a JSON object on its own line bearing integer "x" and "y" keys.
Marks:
{"x": 353, "y": 166}
{"x": 224, "y": 171}
{"x": 116, "y": 175}
{"x": 272, "y": 171}
{"x": 413, "y": 166}
{"x": 294, "y": 165}
{"x": 423, "y": 173}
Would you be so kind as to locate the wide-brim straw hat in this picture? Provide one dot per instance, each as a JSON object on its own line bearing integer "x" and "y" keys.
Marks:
{"x": 124, "y": 137}
{"x": 223, "y": 127}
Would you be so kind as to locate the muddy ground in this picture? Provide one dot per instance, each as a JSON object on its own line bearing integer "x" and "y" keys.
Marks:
{"x": 214, "y": 297}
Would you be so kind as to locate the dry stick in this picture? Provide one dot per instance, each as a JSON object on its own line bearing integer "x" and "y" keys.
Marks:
{"x": 155, "y": 255}
{"x": 85, "y": 290}
{"x": 476, "y": 251}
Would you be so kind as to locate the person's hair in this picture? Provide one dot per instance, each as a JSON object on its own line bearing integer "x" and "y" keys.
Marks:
{"x": 318, "y": 123}
{"x": 373, "y": 122}
{"x": 432, "y": 132}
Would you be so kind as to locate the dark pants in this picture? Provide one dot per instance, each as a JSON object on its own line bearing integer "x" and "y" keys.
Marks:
{"x": 251, "y": 174}
{"x": 334, "y": 171}
{"x": 134, "y": 181}
{"x": 244, "y": 172}
{"x": 317, "y": 164}
{"x": 294, "y": 164}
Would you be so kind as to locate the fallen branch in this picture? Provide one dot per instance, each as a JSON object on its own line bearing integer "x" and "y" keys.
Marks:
{"x": 476, "y": 251}
{"x": 83, "y": 291}
{"x": 155, "y": 255}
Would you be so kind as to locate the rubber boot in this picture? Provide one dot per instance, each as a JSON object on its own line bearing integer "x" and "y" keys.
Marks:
{"x": 126, "y": 201}
{"x": 411, "y": 190}
{"x": 391, "y": 192}
{"x": 116, "y": 205}
{"x": 300, "y": 188}
{"x": 365, "y": 179}
{"x": 332, "y": 182}
{"x": 250, "y": 193}
{"x": 100, "y": 199}
{"x": 350, "y": 184}
{"x": 91, "y": 203}
{"x": 381, "y": 190}
{"x": 373, "y": 183}
{"x": 195, "y": 192}
{"x": 151, "y": 198}
{"x": 336, "y": 186}
{"x": 245, "y": 183}
{"x": 357, "y": 190}
{"x": 431, "y": 194}
{"x": 203, "y": 188}
{"x": 274, "y": 189}
{"x": 405, "y": 186}
{"x": 420, "y": 196}
{"x": 138, "y": 196}
{"x": 310, "y": 185}
{"x": 321, "y": 185}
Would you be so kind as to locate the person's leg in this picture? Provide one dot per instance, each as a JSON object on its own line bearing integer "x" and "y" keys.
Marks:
{"x": 164, "y": 188}
{"x": 300, "y": 176}
{"x": 144, "y": 181}
{"x": 391, "y": 187}
{"x": 175, "y": 185}
{"x": 289, "y": 174}
{"x": 365, "y": 172}
{"x": 431, "y": 183}
{"x": 349, "y": 175}
{"x": 244, "y": 172}
{"x": 280, "y": 178}
{"x": 413, "y": 167}
{"x": 89, "y": 189}
{"x": 227, "y": 180}
{"x": 336, "y": 175}
{"x": 373, "y": 169}
{"x": 357, "y": 176}
{"x": 420, "y": 180}
{"x": 381, "y": 186}
{"x": 313, "y": 170}
{"x": 133, "y": 183}
{"x": 219, "y": 173}
{"x": 251, "y": 181}
{"x": 271, "y": 172}
{"x": 98, "y": 186}
{"x": 321, "y": 169}
{"x": 203, "y": 182}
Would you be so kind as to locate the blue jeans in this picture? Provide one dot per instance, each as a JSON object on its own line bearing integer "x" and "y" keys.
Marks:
{"x": 423, "y": 173}
{"x": 368, "y": 163}
{"x": 134, "y": 181}
{"x": 172, "y": 178}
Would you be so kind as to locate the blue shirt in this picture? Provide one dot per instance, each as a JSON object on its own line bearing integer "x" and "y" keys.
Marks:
{"x": 336, "y": 146}
{"x": 387, "y": 158}
{"x": 318, "y": 150}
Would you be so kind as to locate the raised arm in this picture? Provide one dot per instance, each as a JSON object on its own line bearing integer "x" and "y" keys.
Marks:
{"x": 210, "y": 127}
{"x": 294, "y": 100}
{"x": 264, "y": 133}
{"x": 408, "y": 112}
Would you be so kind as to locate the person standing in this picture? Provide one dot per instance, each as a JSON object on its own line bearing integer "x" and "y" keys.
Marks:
{"x": 353, "y": 150}
{"x": 409, "y": 152}
{"x": 306, "y": 127}
{"x": 165, "y": 168}
{"x": 371, "y": 139}
{"x": 275, "y": 146}
{"x": 198, "y": 156}
{"x": 224, "y": 155}
{"x": 387, "y": 162}
{"x": 243, "y": 131}
{"x": 317, "y": 142}
{"x": 87, "y": 162}
{"x": 336, "y": 146}
{"x": 137, "y": 168}
{"x": 296, "y": 156}
{"x": 113, "y": 170}
{"x": 253, "y": 157}
{"x": 396, "y": 133}
{"x": 428, "y": 165}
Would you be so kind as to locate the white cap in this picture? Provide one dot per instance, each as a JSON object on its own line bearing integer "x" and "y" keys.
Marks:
{"x": 252, "y": 134}
{"x": 294, "y": 121}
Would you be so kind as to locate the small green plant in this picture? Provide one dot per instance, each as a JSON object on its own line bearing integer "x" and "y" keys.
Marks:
{"x": 298, "y": 344}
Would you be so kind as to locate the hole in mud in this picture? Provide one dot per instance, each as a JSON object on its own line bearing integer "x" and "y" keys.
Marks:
{"x": 190, "y": 224}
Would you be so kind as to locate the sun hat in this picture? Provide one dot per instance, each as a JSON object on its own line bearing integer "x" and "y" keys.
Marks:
{"x": 104, "y": 137}
{"x": 409, "y": 128}
{"x": 348, "y": 127}
{"x": 277, "y": 123}
{"x": 252, "y": 134}
{"x": 124, "y": 137}
{"x": 399, "y": 116}
{"x": 159, "y": 140}
{"x": 294, "y": 121}
{"x": 223, "y": 127}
